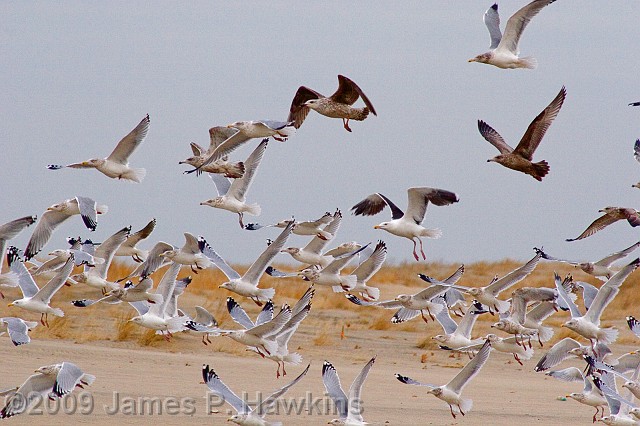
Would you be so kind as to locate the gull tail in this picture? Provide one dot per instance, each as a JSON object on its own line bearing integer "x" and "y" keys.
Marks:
{"x": 57, "y": 312}
{"x": 502, "y": 305}
{"x": 545, "y": 333}
{"x": 434, "y": 233}
{"x": 528, "y": 62}
{"x": 253, "y": 209}
{"x": 347, "y": 283}
{"x": 607, "y": 335}
{"x": 266, "y": 293}
{"x": 373, "y": 293}
{"x": 155, "y": 298}
{"x": 102, "y": 209}
{"x": 87, "y": 379}
{"x": 293, "y": 358}
{"x": 540, "y": 170}
{"x": 324, "y": 235}
{"x": 135, "y": 175}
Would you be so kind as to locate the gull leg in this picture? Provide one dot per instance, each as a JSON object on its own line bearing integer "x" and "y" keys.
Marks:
{"x": 461, "y": 412}
{"x": 415, "y": 255}
{"x": 345, "y": 123}
{"x": 240, "y": 220}
{"x": 256, "y": 301}
{"x": 515, "y": 336}
{"x": 203, "y": 340}
{"x": 530, "y": 342}
{"x": 208, "y": 340}
{"x": 423, "y": 317}
{"x": 430, "y": 314}
{"x": 194, "y": 270}
{"x": 595, "y": 415}
{"x": 452, "y": 413}
{"x": 280, "y": 137}
{"x": 136, "y": 258}
{"x": 284, "y": 372}
{"x": 424, "y": 257}
{"x": 1, "y": 295}
{"x": 278, "y": 371}
{"x": 539, "y": 341}
{"x": 517, "y": 359}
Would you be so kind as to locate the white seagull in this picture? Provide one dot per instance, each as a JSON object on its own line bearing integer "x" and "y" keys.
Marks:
{"x": 17, "y": 328}
{"x": 116, "y": 165}
{"x": 128, "y": 248}
{"x": 217, "y": 135}
{"x": 349, "y": 407}
{"x": 407, "y": 224}
{"x": 311, "y": 254}
{"x": 504, "y": 50}
{"x": 190, "y": 254}
{"x": 9, "y": 231}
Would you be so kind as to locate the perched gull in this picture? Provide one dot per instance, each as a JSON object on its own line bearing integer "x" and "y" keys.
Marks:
{"x": 337, "y": 105}
{"x": 246, "y": 130}
{"x": 590, "y": 395}
{"x": 521, "y": 157}
{"x": 128, "y": 248}
{"x": 246, "y": 416}
{"x": 58, "y": 213}
{"x": 116, "y": 165}
{"x": 588, "y": 325}
{"x": 311, "y": 254}
{"x": 37, "y": 299}
{"x": 504, "y": 50}
{"x": 611, "y": 215}
{"x": 50, "y": 381}
{"x": 349, "y": 407}
{"x": 17, "y": 328}
{"x": 190, "y": 254}
{"x": 231, "y": 195}
{"x": 247, "y": 284}
{"x": 407, "y": 224}
{"x": 451, "y": 392}
{"x": 217, "y": 135}
{"x": 601, "y": 268}
{"x": 9, "y": 231}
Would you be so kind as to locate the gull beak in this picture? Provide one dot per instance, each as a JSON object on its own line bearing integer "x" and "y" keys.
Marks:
{"x": 471, "y": 60}
{"x": 10, "y": 304}
{"x": 376, "y": 227}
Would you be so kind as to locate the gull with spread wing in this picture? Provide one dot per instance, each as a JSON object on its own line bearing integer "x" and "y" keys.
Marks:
{"x": 349, "y": 407}
{"x": 217, "y": 135}
{"x": 9, "y": 231}
{"x": 611, "y": 215}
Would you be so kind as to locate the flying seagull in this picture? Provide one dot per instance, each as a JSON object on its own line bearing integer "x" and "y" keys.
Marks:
{"x": 128, "y": 248}
{"x": 116, "y": 165}
{"x": 337, "y": 105}
{"x": 407, "y": 224}
{"x": 520, "y": 159}
{"x": 217, "y": 135}
{"x": 504, "y": 50}
{"x": 611, "y": 215}
{"x": 349, "y": 407}
{"x": 9, "y": 231}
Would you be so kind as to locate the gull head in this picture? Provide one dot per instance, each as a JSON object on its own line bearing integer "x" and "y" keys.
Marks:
{"x": 240, "y": 125}
{"x": 382, "y": 225}
{"x": 571, "y": 324}
{"x": 81, "y": 277}
{"x": 60, "y": 207}
{"x": 403, "y": 298}
{"x": 608, "y": 210}
{"x": 309, "y": 274}
{"x": 169, "y": 254}
{"x": 473, "y": 291}
{"x": 213, "y": 202}
{"x": 440, "y": 338}
{"x": 228, "y": 285}
{"x": 239, "y": 419}
{"x": 137, "y": 320}
{"x": 94, "y": 162}
{"x": 579, "y": 352}
{"x": 496, "y": 159}
{"x": 291, "y": 250}
{"x": 631, "y": 385}
{"x": 576, "y": 395}
{"x": 190, "y": 161}
{"x": 492, "y": 338}
{"x": 312, "y": 103}
{"x": 500, "y": 325}
{"x": 483, "y": 58}
{"x": 435, "y": 392}
{"x": 60, "y": 253}
{"x": 47, "y": 369}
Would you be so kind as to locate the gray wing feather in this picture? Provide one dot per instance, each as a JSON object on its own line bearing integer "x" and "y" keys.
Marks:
{"x": 240, "y": 186}
{"x": 334, "y": 389}
{"x": 518, "y": 22}
{"x": 472, "y": 368}
{"x": 56, "y": 282}
{"x": 258, "y": 267}
{"x": 238, "y": 314}
{"x": 514, "y": 276}
{"x": 492, "y": 21}
{"x": 222, "y": 183}
{"x": 216, "y": 386}
{"x": 130, "y": 142}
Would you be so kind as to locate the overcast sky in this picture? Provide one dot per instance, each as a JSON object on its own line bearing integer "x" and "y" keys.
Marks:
{"x": 77, "y": 76}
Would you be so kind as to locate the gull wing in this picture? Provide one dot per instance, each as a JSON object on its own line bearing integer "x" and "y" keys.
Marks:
{"x": 196, "y": 149}
{"x": 571, "y": 374}
{"x": 258, "y": 267}
{"x": 17, "y": 330}
{"x": 165, "y": 287}
{"x": 386, "y": 304}
{"x": 225, "y": 148}
{"x": 273, "y": 326}
{"x": 298, "y": 111}
{"x": 140, "y": 235}
{"x": 607, "y": 261}
{"x": 419, "y": 198}
{"x": 494, "y": 138}
{"x": 238, "y": 314}
{"x": 538, "y": 127}
{"x": 448, "y": 325}
{"x": 558, "y": 353}
{"x": 348, "y": 93}
{"x": 67, "y": 378}
{"x": 216, "y": 386}
{"x": 222, "y": 183}
{"x": 107, "y": 249}
{"x": 284, "y": 335}
{"x": 374, "y": 262}
{"x": 34, "y": 388}
{"x": 472, "y": 368}
{"x": 25, "y": 281}
{"x": 10, "y": 230}
{"x": 491, "y": 19}
{"x": 317, "y": 244}
{"x": 217, "y": 135}
{"x": 334, "y": 389}
{"x": 271, "y": 399}
{"x": 589, "y": 293}
{"x": 517, "y": 23}
{"x": 608, "y": 291}
{"x": 130, "y": 142}
{"x": 374, "y": 204}
{"x": 266, "y": 314}
{"x": 241, "y": 185}
{"x": 48, "y": 222}
{"x": 404, "y": 314}
{"x": 409, "y": 381}
{"x": 191, "y": 244}
{"x": 55, "y": 283}
{"x": 597, "y": 225}
{"x": 636, "y": 148}
{"x": 356, "y": 389}
{"x": 564, "y": 296}
{"x": 514, "y": 276}
{"x": 217, "y": 260}
{"x": 204, "y": 317}
{"x": 88, "y": 212}
{"x": 469, "y": 319}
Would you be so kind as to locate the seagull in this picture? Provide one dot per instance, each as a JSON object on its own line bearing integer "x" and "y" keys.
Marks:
{"x": 588, "y": 325}
{"x": 568, "y": 348}
{"x": 311, "y": 254}
{"x": 590, "y": 395}
{"x": 636, "y": 151}
{"x": 58, "y": 213}
{"x": 337, "y": 105}
{"x": 217, "y": 135}
{"x": 190, "y": 254}
{"x": 257, "y": 335}
{"x": 116, "y": 165}
{"x": 458, "y": 335}
{"x": 349, "y": 407}
{"x": 407, "y": 224}
{"x": 330, "y": 275}
{"x": 504, "y": 50}
{"x": 245, "y": 416}
{"x": 153, "y": 261}
{"x": 309, "y": 227}
{"x": 451, "y": 392}
{"x": 520, "y": 159}
{"x": 601, "y": 268}
{"x": 133, "y": 293}
{"x": 247, "y": 284}
{"x": 37, "y": 299}
{"x": 128, "y": 248}
{"x": 247, "y": 130}
{"x": 96, "y": 277}
{"x": 9, "y": 231}
{"x": 52, "y": 381}
{"x": 231, "y": 195}
{"x": 17, "y": 328}
{"x": 611, "y": 215}
{"x": 368, "y": 269}
{"x": 204, "y": 323}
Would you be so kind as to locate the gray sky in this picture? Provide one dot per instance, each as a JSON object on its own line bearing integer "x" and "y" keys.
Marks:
{"x": 78, "y": 76}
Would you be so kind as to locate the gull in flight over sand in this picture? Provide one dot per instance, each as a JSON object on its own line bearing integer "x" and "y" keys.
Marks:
{"x": 458, "y": 336}
{"x": 504, "y": 49}
{"x": 217, "y": 135}
{"x": 128, "y": 248}
{"x": 407, "y": 225}
{"x": 246, "y": 416}
{"x": 311, "y": 254}
{"x": 337, "y": 105}
{"x": 116, "y": 165}
{"x": 349, "y": 407}
{"x": 611, "y": 215}
{"x": 190, "y": 254}
{"x": 590, "y": 394}
{"x": 521, "y": 157}
{"x": 231, "y": 195}
{"x": 17, "y": 328}
{"x": 330, "y": 275}
{"x": 309, "y": 227}
{"x": 58, "y": 213}
{"x": 451, "y": 392}
{"x": 9, "y": 231}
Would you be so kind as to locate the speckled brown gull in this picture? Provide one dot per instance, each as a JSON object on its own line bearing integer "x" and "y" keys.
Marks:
{"x": 611, "y": 215}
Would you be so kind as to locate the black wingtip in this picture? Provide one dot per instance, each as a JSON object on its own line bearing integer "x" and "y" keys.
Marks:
{"x": 495, "y": 7}
{"x": 401, "y": 378}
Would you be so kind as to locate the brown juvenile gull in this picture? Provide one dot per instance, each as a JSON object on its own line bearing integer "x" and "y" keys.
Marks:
{"x": 611, "y": 215}
{"x": 520, "y": 159}
{"x": 217, "y": 135}
{"x": 116, "y": 165}
{"x": 337, "y": 105}
{"x": 407, "y": 224}
{"x": 504, "y": 50}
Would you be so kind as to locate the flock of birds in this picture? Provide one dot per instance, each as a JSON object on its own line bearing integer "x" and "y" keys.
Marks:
{"x": 521, "y": 316}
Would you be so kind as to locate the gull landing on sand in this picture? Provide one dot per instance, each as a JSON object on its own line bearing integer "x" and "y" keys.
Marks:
{"x": 504, "y": 50}
{"x": 407, "y": 224}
